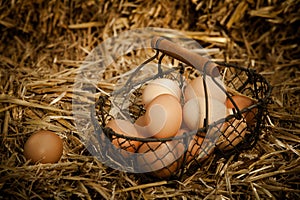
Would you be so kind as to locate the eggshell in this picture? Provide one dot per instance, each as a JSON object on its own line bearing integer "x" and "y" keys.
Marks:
{"x": 232, "y": 133}
{"x": 243, "y": 102}
{"x": 164, "y": 116}
{"x": 161, "y": 158}
{"x": 198, "y": 149}
{"x": 196, "y": 89}
{"x": 194, "y": 148}
{"x": 125, "y": 128}
{"x": 158, "y": 87}
{"x": 206, "y": 148}
{"x": 141, "y": 126}
{"x": 194, "y": 112}
{"x": 44, "y": 147}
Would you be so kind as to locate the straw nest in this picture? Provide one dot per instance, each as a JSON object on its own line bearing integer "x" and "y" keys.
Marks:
{"x": 43, "y": 44}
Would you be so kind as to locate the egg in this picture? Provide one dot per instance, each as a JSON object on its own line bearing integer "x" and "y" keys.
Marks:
{"x": 194, "y": 112}
{"x": 232, "y": 133}
{"x": 160, "y": 158}
{"x": 196, "y": 89}
{"x": 125, "y": 128}
{"x": 44, "y": 147}
{"x": 198, "y": 147}
{"x": 194, "y": 148}
{"x": 141, "y": 126}
{"x": 163, "y": 116}
{"x": 243, "y": 102}
{"x": 158, "y": 87}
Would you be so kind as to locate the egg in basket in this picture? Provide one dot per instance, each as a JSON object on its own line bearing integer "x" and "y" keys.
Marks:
{"x": 151, "y": 101}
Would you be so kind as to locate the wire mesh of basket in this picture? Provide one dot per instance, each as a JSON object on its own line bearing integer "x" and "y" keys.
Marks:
{"x": 169, "y": 157}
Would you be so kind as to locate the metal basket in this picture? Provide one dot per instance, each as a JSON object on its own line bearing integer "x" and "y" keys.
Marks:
{"x": 194, "y": 146}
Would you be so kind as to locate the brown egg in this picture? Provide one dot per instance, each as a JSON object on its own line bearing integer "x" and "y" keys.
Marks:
{"x": 232, "y": 133}
{"x": 141, "y": 126}
{"x": 196, "y": 89}
{"x": 141, "y": 121}
{"x": 197, "y": 149}
{"x": 243, "y": 102}
{"x": 125, "y": 128}
{"x": 167, "y": 171}
{"x": 158, "y": 87}
{"x": 44, "y": 147}
{"x": 194, "y": 148}
{"x": 163, "y": 116}
{"x": 161, "y": 158}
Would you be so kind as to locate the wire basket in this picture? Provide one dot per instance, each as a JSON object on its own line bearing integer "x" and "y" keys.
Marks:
{"x": 168, "y": 157}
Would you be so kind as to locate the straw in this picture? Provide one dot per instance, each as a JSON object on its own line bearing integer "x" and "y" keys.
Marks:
{"x": 44, "y": 44}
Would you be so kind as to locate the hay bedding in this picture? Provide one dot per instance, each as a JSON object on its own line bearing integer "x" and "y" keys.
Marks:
{"x": 43, "y": 44}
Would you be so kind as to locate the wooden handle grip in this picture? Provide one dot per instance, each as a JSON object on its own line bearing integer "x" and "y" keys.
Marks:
{"x": 184, "y": 55}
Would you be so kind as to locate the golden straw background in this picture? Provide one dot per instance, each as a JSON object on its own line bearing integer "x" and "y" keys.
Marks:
{"x": 43, "y": 43}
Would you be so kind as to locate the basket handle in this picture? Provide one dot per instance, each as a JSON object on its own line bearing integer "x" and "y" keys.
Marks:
{"x": 184, "y": 55}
